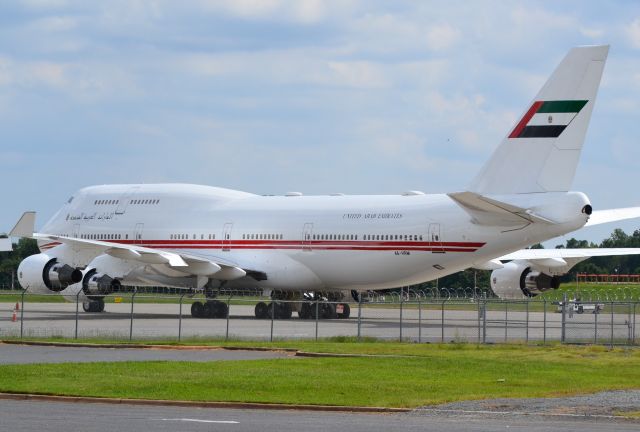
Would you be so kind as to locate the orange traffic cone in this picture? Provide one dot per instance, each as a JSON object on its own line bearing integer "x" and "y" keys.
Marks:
{"x": 14, "y": 317}
{"x": 17, "y": 306}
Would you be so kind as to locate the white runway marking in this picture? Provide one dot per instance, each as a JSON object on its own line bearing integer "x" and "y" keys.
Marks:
{"x": 200, "y": 421}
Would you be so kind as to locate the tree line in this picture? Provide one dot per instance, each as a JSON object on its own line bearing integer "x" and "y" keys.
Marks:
{"x": 628, "y": 264}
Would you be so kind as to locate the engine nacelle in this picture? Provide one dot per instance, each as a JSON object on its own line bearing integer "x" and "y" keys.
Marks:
{"x": 96, "y": 284}
{"x": 42, "y": 273}
{"x": 517, "y": 280}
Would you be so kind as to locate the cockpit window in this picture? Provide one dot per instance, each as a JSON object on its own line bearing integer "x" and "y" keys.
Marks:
{"x": 70, "y": 199}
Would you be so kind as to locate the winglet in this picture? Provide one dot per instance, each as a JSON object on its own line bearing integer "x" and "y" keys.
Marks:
{"x": 25, "y": 226}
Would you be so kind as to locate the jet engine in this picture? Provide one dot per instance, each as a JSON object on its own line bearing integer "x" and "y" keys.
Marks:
{"x": 96, "y": 284}
{"x": 42, "y": 273}
{"x": 518, "y": 280}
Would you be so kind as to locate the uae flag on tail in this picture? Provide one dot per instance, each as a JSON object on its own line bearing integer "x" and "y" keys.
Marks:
{"x": 547, "y": 119}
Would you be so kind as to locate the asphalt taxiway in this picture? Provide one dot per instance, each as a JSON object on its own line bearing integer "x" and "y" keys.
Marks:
{"x": 34, "y": 416}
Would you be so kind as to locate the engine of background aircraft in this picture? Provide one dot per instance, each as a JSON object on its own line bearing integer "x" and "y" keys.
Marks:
{"x": 518, "y": 280}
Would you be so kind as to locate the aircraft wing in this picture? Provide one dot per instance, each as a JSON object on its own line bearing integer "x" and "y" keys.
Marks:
{"x": 182, "y": 262}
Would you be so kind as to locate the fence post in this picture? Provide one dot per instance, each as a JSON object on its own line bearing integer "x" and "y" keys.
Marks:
{"x": 527, "y": 331}
{"x": 317, "y": 315}
{"x": 22, "y": 314}
{"x": 564, "y": 318}
{"x": 401, "y": 308}
{"x": 273, "y": 314}
{"x": 484, "y": 320}
{"x": 442, "y": 322}
{"x": 506, "y": 320}
{"x": 180, "y": 318}
{"x": 419, "y": 320}
{"x": 479, "y": 315}
{"x": 611, "y": 340}
{"x": 77, "y": 311}
{"x": 544, "y": 321}
{"x": 359, "y": 315}
{"x": 595, "y": 336}
{"x": 226, "y": 334}
{"x": 133, "y": 298}
{"x": 633, "y": 340}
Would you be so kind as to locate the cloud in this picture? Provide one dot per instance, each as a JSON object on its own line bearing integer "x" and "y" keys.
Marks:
{"x": 633, "y": 33}
{"x": 442, "y": 37}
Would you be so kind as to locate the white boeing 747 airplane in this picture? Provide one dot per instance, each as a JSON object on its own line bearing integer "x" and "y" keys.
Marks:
{"x": 188, "y": 236}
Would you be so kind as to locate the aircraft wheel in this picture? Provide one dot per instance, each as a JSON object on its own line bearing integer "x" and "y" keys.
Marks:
{"x": 262, "y": 311}
{"x": 208, "y": 310}
{"x": 305, "y": 311}
{"x": 283, "y": 311}
{"x": 197, "y": 310}
{"x": 93, "y": 305}
{"x": 346, "y": 311}
{"x": 327, "y": 311}
{"x": 219, "y": 309}
{"x": 99, "y": 305}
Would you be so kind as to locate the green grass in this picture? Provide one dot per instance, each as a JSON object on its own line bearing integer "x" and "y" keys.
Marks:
{"x": 410, "y": 375}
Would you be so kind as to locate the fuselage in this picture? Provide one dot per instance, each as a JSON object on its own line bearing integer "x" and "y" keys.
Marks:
{"x": 308, "y": 242}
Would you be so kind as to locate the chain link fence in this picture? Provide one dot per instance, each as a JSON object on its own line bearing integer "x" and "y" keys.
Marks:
{"x": 435, "y": 315}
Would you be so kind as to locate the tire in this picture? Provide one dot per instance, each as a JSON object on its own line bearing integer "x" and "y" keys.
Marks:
{"x": 305, "y": 311}
{"x": 346, "y": 311}
{"x": 99, "y": 305}
{"x": 580, "y": 309}
{"x": 327, "y": 311}
{"x": 283, "y": 311}
{"x": 87, "y": 306}
{"x": 197, "y": 310}
{"x": 93, "y": 306}
{"x": 219, "y": 309}
{"x": 262, "y": 311}
{"x": 208, "y": 310}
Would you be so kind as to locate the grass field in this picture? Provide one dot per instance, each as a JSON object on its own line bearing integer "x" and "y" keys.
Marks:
{"x": 405, "y": 375}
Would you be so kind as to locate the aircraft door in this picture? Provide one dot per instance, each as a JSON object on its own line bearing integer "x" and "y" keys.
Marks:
{"x": 76, "y": 231}
{"x": 307, "y": 233}
{"x": 226, "y": 236}
{"x": 435, "y": 238}
{"x": 137, "y": 233}
{"x": 123, "y": 201}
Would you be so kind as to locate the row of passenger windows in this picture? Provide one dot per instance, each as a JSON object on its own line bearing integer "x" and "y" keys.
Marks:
{"x": 103, "y": 236}
{"x": 116, "y": 202}
{"x": 399, "y": 237}
{"x": 262, "y": 236}
{"x": 186, "y": 236}
{"x": 145, "y": 201}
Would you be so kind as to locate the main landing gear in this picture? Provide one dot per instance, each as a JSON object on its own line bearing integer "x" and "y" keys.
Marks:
{"x": 93, "y": 305}
{"x": 308, "y": 306}
{"x": 209, "y": 309}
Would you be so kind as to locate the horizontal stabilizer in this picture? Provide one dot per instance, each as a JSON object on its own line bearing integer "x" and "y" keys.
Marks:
{"x": 487, "y": 211}
{"x": 605, "y": 216}
{"x": 25, "y": 226}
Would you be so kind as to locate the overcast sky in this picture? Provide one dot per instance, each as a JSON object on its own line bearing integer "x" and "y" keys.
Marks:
{"x": 270, "y": 96}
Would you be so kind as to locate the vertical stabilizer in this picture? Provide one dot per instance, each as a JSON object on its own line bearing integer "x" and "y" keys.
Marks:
{"x": 541, "y": 151}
